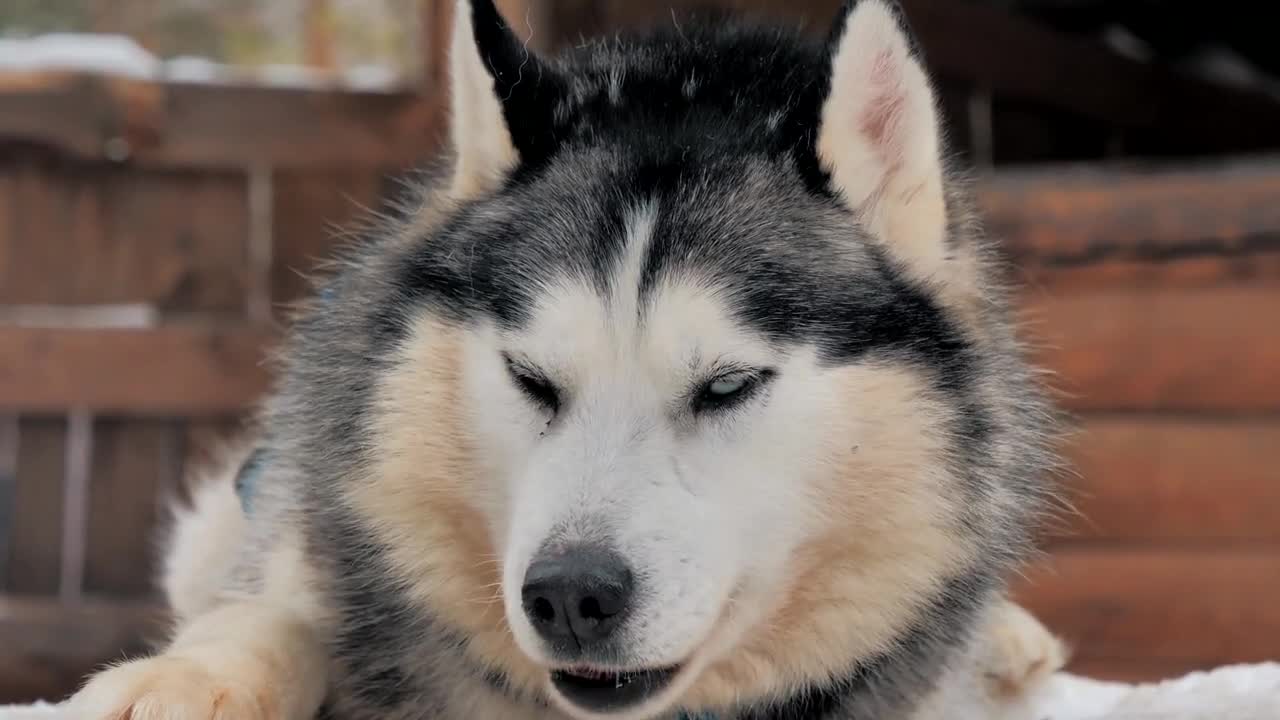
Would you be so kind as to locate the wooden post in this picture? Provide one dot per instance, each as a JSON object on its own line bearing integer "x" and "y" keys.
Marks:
{"x": 8, "y": 489}
{"x": 318, "y": 24}
{"x": 436, "y": 20}
{"x": 75, "y": 508}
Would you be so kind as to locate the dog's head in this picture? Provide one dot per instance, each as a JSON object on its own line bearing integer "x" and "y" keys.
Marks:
{"x": 696, "y": 391}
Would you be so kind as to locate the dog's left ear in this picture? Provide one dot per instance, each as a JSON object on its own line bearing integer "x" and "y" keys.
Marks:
{"x": 879, "y": 135}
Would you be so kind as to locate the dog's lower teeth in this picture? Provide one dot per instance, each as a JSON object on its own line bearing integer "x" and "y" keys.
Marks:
{"x": 595, "y": 689}
{"x": 619, "y": 679}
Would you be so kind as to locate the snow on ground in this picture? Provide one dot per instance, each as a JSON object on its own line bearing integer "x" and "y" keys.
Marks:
{"x": 119, "y": 55}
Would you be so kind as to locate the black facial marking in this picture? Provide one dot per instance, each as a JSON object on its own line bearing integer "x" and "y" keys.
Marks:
{"x": 491, "y": 258}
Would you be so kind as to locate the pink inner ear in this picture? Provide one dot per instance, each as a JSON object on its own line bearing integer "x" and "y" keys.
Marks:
{"x": 882, "y": 116}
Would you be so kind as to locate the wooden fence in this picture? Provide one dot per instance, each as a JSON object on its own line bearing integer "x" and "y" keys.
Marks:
{"x": 150, "y": 235}
{"x": 136, "y": 300}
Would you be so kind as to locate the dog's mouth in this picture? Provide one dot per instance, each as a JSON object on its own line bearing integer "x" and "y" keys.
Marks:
{"x": 606, "y": 691}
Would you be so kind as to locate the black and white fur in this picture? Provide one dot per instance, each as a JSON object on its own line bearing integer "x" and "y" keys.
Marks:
{"x": 521, "y": 363}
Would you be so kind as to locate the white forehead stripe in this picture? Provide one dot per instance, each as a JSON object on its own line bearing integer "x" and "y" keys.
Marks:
{"x": 625, "y": 295}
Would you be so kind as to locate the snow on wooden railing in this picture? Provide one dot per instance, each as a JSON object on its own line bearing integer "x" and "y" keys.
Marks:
{"x": 106, "y": 98}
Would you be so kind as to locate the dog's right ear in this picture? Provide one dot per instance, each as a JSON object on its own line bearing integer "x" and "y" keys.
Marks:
{"x": 501, "y": 98}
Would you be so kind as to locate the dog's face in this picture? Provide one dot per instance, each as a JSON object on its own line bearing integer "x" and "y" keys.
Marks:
{"x": 683, "y": 410}
{"x": 715, "y": 464}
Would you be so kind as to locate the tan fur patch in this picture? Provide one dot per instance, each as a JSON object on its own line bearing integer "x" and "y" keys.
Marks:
{"x": 244, "y": 660}
{"x": 424, "y": 499}
{"x": 1019, "y": 652}
{"x": 891, "y": 538}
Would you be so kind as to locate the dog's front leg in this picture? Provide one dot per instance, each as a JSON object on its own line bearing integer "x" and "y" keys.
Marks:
{"x": 245, "y": 660}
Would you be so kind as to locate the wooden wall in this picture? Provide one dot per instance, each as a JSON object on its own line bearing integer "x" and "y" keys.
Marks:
{"x": 150, "y": 235}
{"x": 1154, "y": 296}
{"x": 138, "y": 295}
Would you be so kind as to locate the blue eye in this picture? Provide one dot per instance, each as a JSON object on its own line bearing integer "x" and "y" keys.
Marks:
{"x": 725, "y": 386}
{"x": 729, "y": 389}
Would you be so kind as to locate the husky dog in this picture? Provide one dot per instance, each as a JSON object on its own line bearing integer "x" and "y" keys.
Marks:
{"x": 686, "y": 391}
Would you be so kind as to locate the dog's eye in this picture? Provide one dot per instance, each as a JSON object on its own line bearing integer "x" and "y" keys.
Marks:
{"x": 729, "y": 389}
{"x": 534, "y": 385}
{"x": 726, "y": 386}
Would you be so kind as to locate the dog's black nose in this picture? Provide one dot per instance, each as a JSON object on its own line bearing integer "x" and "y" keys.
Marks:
{"x": 577, "y": 597}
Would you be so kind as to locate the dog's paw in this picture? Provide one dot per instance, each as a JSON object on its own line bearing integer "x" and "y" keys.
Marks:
{"x": 1020, "y": 652}
{"x": 167, "y": 688}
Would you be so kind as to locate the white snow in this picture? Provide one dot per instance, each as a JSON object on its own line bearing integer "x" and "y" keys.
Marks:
{"x": 120, "y": 56}
{"x": 1234, "y": 692}
{"x": 39, "y": 711}
{"x": 291, "y": 76}
{"x": 371, "y": 77}
{"x": 110, "y": 54}
{"x": 190, "y": 69}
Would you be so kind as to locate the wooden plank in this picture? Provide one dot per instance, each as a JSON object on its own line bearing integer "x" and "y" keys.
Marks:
{"x": 1087, "y": 226}
{"x": 49, "y": 649}
{"x": 132, "y": 315}
{"x": 187, "y": 231}
{"x": 212, "y": 126}
{"x": 1213, "y": 349}
{"x": 1169, "y": 479}
{"x": 1209, "y": 265}
{"x": 218, "y": 126}
{"x": 8, "y": 487}
{"x": 82, "y": 115}
{"x": 36, "y": 535}
{"x": 86, "y": 234}
{"x": 312, "y": 209}
{"x": 172, "y": 370}
{"x": 261, "y": 202}
{"x": 1210, "y": 606}
{"x": 75, "y": 505}
{"x": 136, "y": 464}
